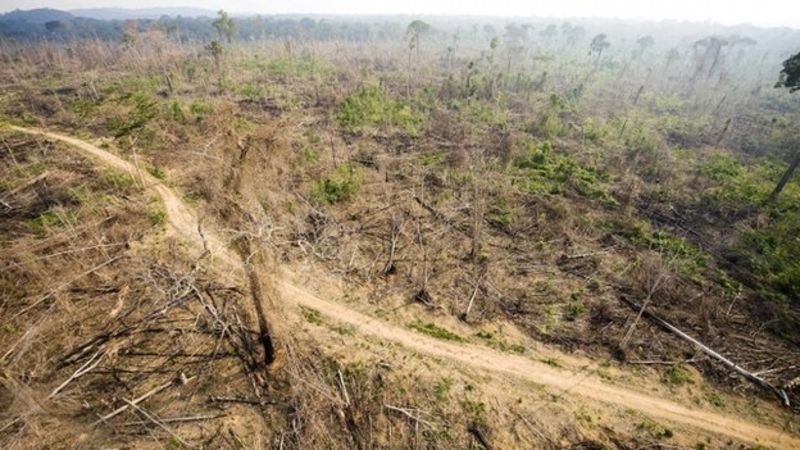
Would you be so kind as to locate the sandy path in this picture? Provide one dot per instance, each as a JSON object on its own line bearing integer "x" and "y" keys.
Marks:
{"x": 184, "y": 220}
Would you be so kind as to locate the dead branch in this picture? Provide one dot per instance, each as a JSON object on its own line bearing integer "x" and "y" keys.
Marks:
{"x": 140, "y": 399}
{"x": 710, "y": 352}
{"x": 474, "y": 294}
{"x": 476, "y": 431}
{"x": 86, "y": 368}
{"x": 156, "y": 421}
{"x": 246, "y": 401}
{"x": 25, "y": 185}
{"x": 410, "y": 413}
{"x": 56, "y": 290}
{"x": 178, "y": 419}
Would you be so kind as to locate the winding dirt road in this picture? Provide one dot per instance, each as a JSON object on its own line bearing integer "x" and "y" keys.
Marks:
{"x": 184, "y": 221}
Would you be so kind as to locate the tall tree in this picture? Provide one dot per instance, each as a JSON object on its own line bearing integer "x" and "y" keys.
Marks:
{"x": 414, "y": 30}
{"x": 789, "y": 79}
{"x": 225, "y": 26}
{"x": 708, "y": 55}
{"x": 644, "y": 43}
{"x": 599, "y": 44}
{"x": 790, "y": 75}
{"x": 573, "y": 33}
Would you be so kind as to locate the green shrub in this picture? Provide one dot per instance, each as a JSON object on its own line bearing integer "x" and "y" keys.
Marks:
{"x": 677, "y": 375}
{"x": 442, "y": 389}
{"x": 655, "y": 429}
{"x": 690, "y": 260}
{"x": 51, "y": 219}
{"x": 773, "y": 250}
{"x": 431, "y": 159}
{"x": 201, "y": 108}
{"x": 156, "y": 171}
{"x": 156, "y": 214}
{"x": 369, "y": 106}
{"x": 500, "y": 213}
{"x": 721, "y": 167}
{"x": 312, "y": 316}
{"x": 499, "y": 344}
{"x": 552, "y": 362}
{"x": 144, "y": 110}
{"x": 307, "y": 66}
{"x": 541, "y": 171}
{"x": 252, "y": 91}
{"x": 435, "y": 331}
{"x": 176, "y": 112}
{"x": 83, "y": 106}
{"x": 342, "y": 185}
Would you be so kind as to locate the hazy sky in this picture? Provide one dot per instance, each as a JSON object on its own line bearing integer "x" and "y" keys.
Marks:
{"x": 758, "y": 12}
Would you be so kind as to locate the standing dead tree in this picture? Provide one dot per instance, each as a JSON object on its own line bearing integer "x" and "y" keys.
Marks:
{"x": 394, "y": 236}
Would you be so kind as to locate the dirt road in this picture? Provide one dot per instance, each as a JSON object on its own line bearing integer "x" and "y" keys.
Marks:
{"x": 184, "y": 221}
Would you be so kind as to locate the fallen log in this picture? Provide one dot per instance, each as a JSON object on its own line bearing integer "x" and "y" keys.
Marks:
{"x": 755, "y": 379}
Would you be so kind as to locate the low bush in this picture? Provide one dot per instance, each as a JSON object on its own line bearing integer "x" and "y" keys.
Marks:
{"x": 342, "y": 185}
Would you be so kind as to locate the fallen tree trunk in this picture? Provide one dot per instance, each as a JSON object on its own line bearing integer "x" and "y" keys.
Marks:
{"x": 755, "y": 379}
{"x": 262, "y": 293}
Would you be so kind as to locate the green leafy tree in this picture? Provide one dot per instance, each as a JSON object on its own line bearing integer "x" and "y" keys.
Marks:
{"x": 225, "y": 25}
{"x": 599, "y": 44}
{"x": 790, "y": 75}
{"x": 414, "y": 31}
{"x": 789, "y": 79}
{"x": 644, "y": 43}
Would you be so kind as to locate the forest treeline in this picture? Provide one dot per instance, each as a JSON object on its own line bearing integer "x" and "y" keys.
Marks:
{"x": 58, "y": 25}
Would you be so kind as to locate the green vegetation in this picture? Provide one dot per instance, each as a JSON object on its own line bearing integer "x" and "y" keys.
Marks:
{"x": 306, "y": 66}
{"x": 340, "y": 186}
{"x": 655, "y": 429}
{"x": 201, "y": 108}
{"x": 156, "y": 214}
{"x": 144, "y": 110}
{"x": 677, "y": 375}
{"x": 370, "y": 107}
{"x": 552, "y": 362}
{"x": 442, "y": 389}
{"x": 690, "y": 260}
{"x": 51, "y": 219}
{"x": 540, "y": 170}
{"x": 311, "y": 315}
{"x": 497, "y": 343}
{"x": 156, "y": 171}
{"x": 433, "y": 330}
